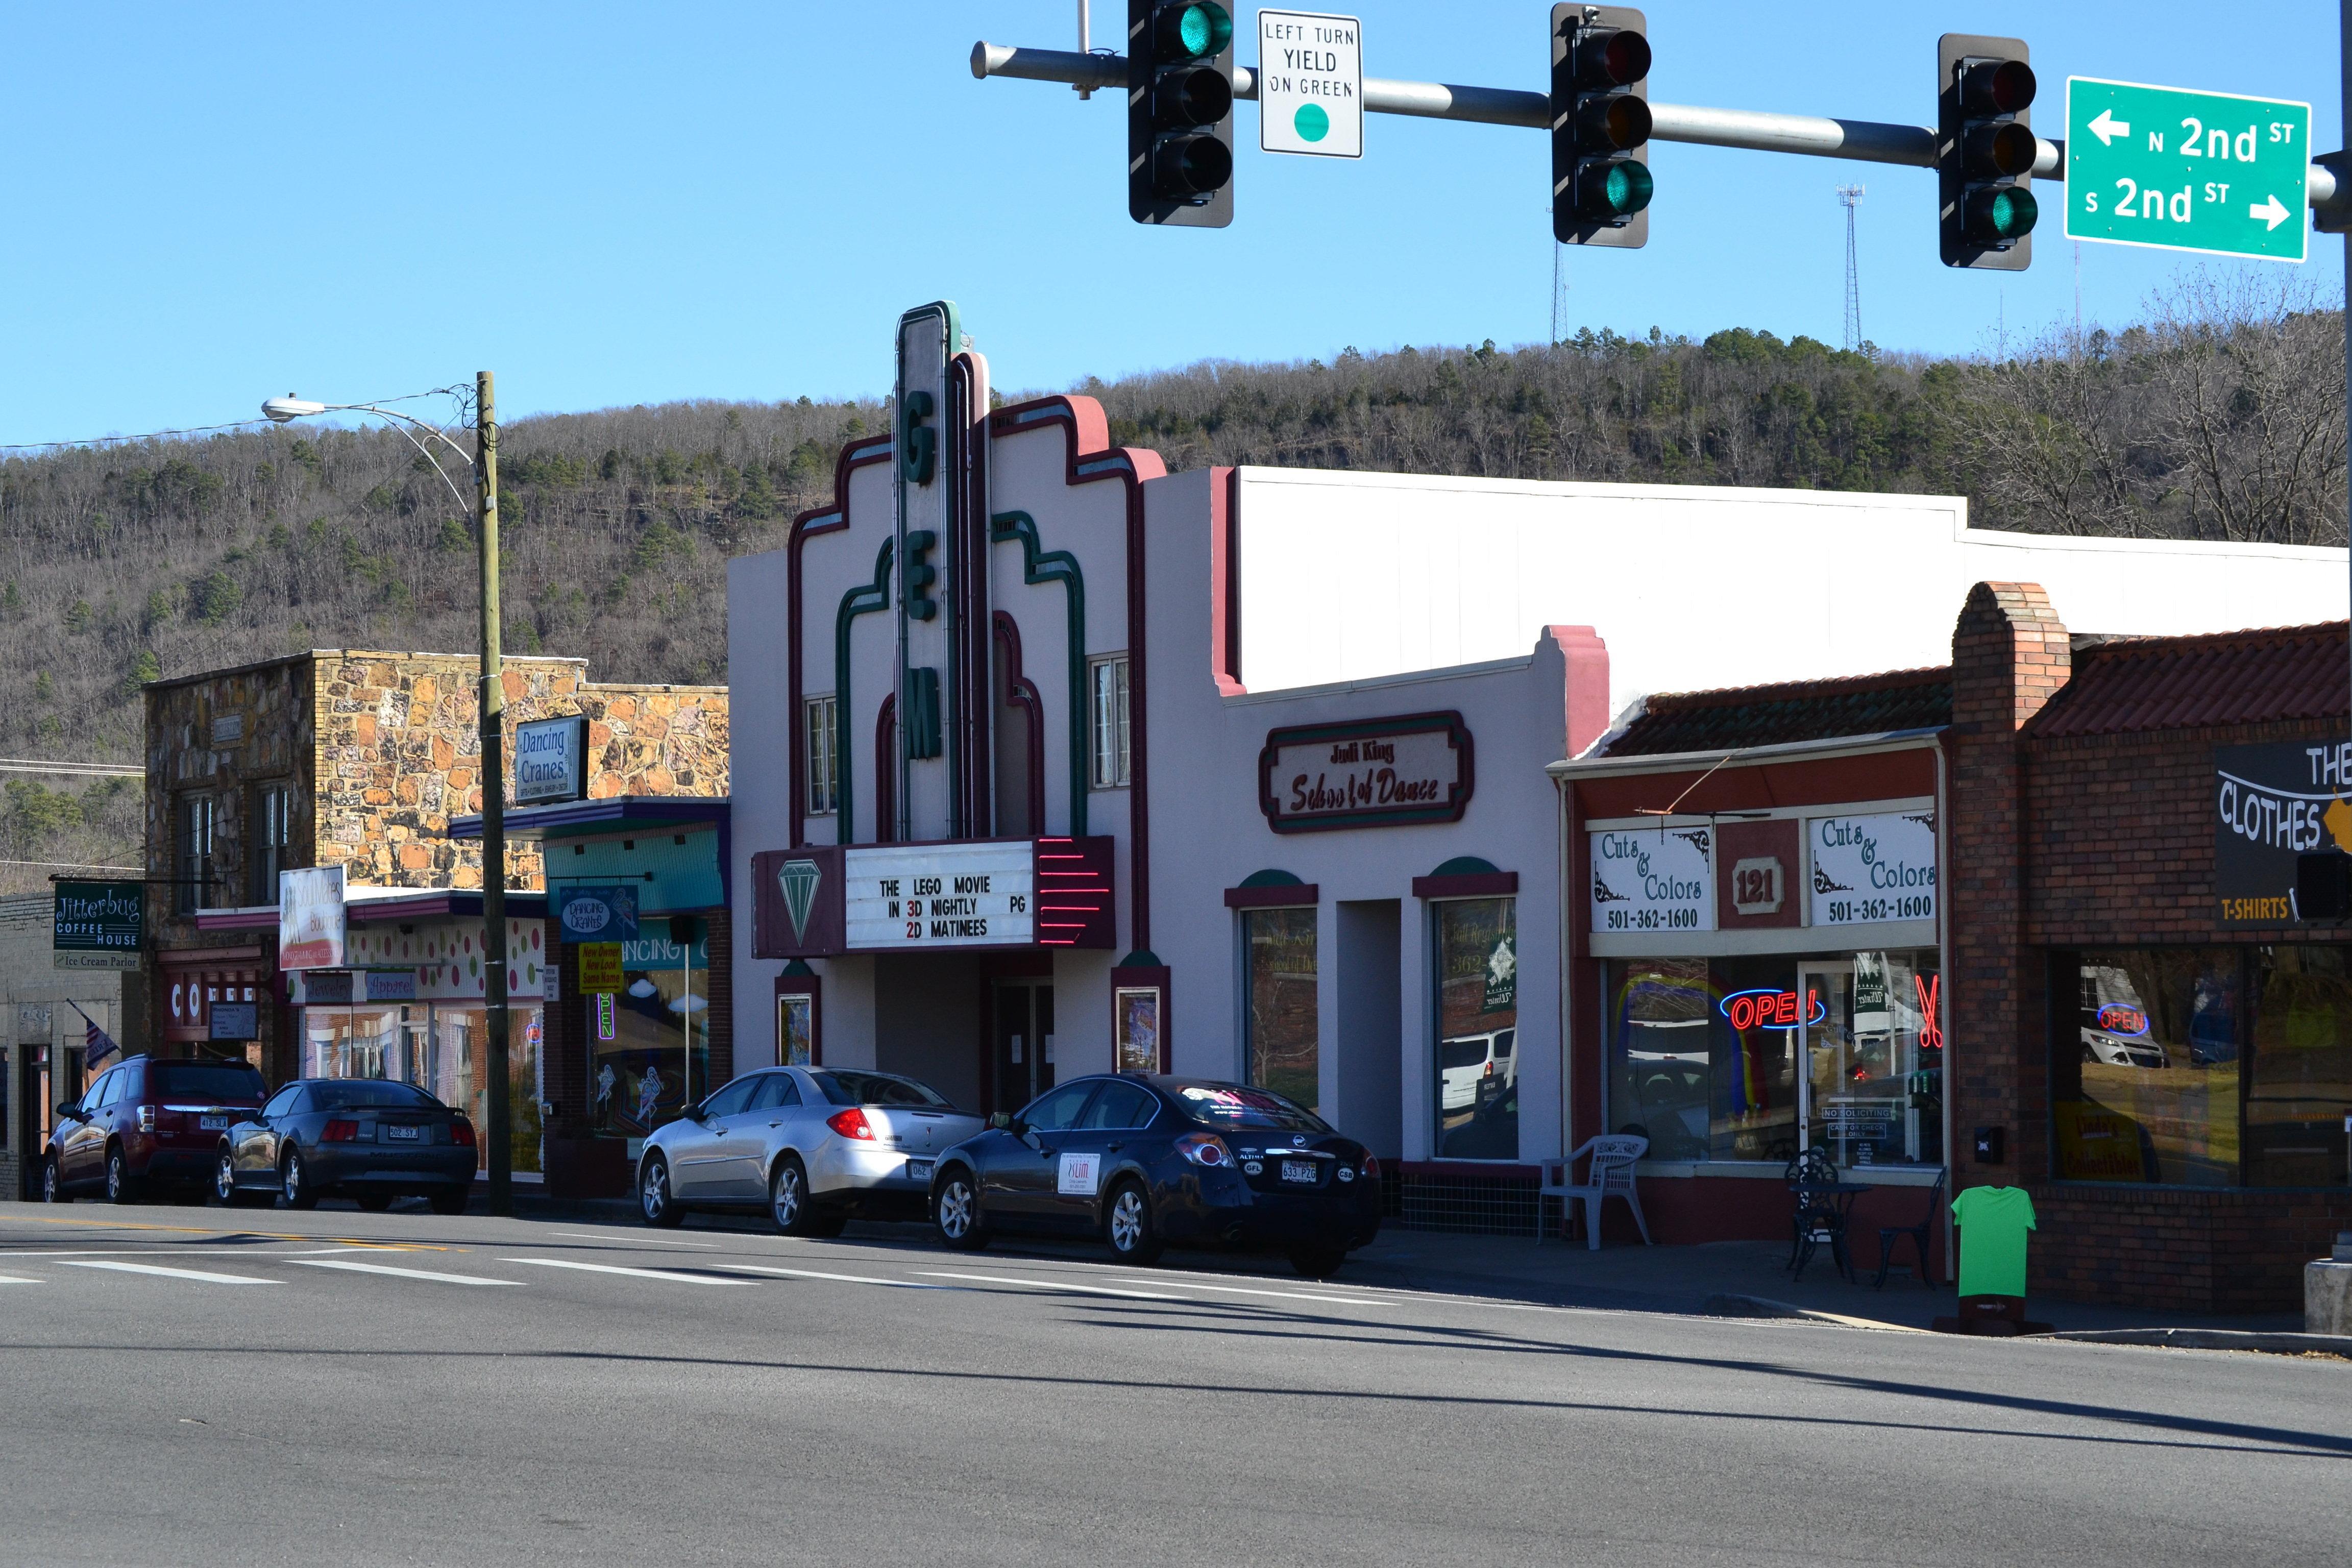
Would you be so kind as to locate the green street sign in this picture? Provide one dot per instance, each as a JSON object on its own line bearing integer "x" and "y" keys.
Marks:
{"x": 2178, "y": 170}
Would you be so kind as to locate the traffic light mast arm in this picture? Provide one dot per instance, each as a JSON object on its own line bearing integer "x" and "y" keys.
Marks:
{"x": 1820, "y": 136}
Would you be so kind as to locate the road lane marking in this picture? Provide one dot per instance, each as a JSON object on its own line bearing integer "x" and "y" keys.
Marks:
{"x": 197, "y": 1274}
{"x": 845, "y": 1279}
{"x": 1049, "y": 1285}
{"x": 1285, "y": 1295}
{"x": 616, "y": 1269}
{"x": 628, "y": 1236}
{"x": 16, "y": 1279}
{"x": 167, "y": 1252}
{"x": 398, "y": 1273}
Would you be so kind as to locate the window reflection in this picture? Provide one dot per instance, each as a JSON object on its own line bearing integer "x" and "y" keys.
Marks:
{"x": 1477, "y": 1086}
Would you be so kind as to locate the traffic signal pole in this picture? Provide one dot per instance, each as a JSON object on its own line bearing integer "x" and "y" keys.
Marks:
{"x": 1811, "y": 135}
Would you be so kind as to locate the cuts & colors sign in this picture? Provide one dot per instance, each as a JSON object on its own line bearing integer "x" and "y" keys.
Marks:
{"x": 1653, "y": 879}
{"x": 1869, "y": 868}
{"x": 1379, "y": 772}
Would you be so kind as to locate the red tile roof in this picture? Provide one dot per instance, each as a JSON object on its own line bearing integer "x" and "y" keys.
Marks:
{"x": 2180, "y": 683}
{"x": 1743, "y": 716}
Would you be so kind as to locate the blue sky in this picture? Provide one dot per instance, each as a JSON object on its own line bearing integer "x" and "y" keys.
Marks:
{"x": 631, "y": 204}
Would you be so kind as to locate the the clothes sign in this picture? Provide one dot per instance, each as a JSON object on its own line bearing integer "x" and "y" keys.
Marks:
{"x": 1310, "y": 84}
{"x": 1653, "y": 879}
{"x": 1877, "y": 868}
{"x": 96, "y": 925}
{"x": 550, "y": 760}
{"x": 2271, "y": 804}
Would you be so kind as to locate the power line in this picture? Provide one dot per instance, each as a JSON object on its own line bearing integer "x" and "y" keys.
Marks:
{"x": 72, "y": 864}
{"x": 71, "y": 769}
{"x": 450, "y": 391}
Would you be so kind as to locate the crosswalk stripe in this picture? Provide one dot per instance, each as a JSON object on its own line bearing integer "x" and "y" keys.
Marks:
{"x": 630, "y": 1238}
{"x": 197, "y": 1274}
{"x": 616, "y": 1269}
{"x": 1050, "y": 1285}
{"x": 845, "y": 1279}
{"x": 399, "y": 1273}
{"x": 1284, "y": 1295}
{"x": 16, "y": 1279}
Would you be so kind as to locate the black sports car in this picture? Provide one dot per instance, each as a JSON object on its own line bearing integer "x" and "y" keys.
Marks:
{"x": 372, "y": 1140}
{"x": 1146, "y": 1162}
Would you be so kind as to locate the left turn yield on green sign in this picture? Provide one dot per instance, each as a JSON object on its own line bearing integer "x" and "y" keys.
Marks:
{"x": 2180, "y": 170}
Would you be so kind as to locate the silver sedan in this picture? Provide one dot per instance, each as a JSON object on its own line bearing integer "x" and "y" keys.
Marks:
{"x": 817, "y": 1146}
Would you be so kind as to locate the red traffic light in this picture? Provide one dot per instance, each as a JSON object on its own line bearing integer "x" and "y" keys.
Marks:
{"x": 1610, "y": 56}
{"x": 1997, "y": 86}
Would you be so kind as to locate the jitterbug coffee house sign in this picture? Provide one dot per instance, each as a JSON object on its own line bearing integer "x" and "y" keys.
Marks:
{"x": 1377, "y": 772}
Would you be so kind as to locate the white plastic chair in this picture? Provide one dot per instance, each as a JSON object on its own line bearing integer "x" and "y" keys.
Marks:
{"x": 1611, "y": 1175}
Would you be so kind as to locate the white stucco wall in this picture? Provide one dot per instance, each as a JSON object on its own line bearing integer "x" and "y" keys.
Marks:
{"x": 1346, "y": 575}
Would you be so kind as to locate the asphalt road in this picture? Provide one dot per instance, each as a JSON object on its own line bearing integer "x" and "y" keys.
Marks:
{"x": 201, "y": 1385}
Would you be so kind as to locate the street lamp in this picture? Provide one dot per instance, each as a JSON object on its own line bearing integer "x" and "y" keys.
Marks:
{"x": 484, "y": 462}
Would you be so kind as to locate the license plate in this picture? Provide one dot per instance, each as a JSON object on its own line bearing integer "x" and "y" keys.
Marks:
{"x": 1298, "y": 1170}
{"x": 411, "y": 1133}
{"x": 918, "y": 1170}
{"x": 213, "y": 1123}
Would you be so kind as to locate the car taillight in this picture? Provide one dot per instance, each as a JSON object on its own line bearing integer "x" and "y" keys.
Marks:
{"x": 146, "y": 1119}
{"x": 1489, "y": 1072}
{"x": 461, "y": 1132}
{"x": 851, "y": 1123}
{"x": 1371, "y": 1165}
{"x": 340, "y": 1129}
{"x": 1204, "y": 1149}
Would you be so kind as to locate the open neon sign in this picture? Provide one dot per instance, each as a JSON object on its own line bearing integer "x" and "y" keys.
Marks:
{"x": 2123, "y": 1018}
{"x": 1766, "y": 1009}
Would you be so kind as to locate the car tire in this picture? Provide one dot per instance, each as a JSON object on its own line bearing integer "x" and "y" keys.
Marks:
{"x": 120, "y": 1187}
{"x": 294, "y": 1188}
{"x": 224, "y": 1192}
{"x": 53, "y": 1189}
{"x": 1317, "y": 1262}
{"x": 789, "y": 1205}
{"x": 956, "y": 1213}
{"x": 656, "y": 1204}
{"x": 452, "y": 1201}
{"x": 375, "y": 1203}
{"x": 1128, "y": 1229}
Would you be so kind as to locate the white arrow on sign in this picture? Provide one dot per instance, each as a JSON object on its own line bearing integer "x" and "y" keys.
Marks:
{"x": 2269, "y": 208}
{"x": 2107, "y": 128}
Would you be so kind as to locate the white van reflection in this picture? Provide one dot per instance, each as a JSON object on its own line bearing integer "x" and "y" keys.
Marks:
{"x": 1474, "y": 1069}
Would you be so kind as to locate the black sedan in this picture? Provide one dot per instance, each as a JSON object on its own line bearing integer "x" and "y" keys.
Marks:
{"x": 372, "y": 1140}
{"x": 1146, "y": 1162}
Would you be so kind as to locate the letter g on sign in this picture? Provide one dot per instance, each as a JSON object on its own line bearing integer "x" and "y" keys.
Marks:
{"x": 918, "y": 442}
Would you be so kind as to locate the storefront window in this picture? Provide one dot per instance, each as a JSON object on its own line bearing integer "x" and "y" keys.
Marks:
{"x": 657, "y": 1059}
{"x": 1703, "y": 1056}
{"x": 2299, "y": 1071}
{"x": 443, "y": 1049}
{"x": 1278, "y": 949}
{"x": 2144, "y": 1082}
{"x": 1477, "y": 1086}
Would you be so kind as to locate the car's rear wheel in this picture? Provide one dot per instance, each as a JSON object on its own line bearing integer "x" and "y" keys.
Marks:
{"x": 788, "y": 1198}
{"x": 120, "y": 1187}
{"x": 1317, "y": 1262}
{"x": 955, "y": 1212}
{"x": 52, "y": 1188}
{"x": 1128, "y": 1225}
{"x": 294, "y": 1189}
{"x": 375, "y": 1203}
{"x": 655, "y": 1202}
{"x": 452, "y": 1201}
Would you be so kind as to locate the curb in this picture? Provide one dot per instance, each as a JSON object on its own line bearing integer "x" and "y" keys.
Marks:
{"x": 1730, "y": 1306}
{"x": 2211, "y": 1340}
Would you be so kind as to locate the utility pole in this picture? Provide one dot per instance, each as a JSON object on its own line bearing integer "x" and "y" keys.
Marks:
{"x": 1850, "y": 199}
{"x": 500, "y": 1132}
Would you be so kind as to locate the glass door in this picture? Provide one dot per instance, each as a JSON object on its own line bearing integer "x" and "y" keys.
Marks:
{"x": 1022, "y": 1039}
{"x": 1856, "y": 1096}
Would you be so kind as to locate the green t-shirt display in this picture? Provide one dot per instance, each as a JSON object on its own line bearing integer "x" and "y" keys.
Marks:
{"x": 1993, "y": 1222}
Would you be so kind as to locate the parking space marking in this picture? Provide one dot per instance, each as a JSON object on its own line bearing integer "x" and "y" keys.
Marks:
{"x": 1285, "y": 1295}
{"x": 1049, "y": 1285}
{"x": 845, "y": 1279}
{"x": 197, "y": 1274}
{"x": 616, "y": 1269}
{"x": 632, "y": 1236}
{"x": 398, "y": 1273}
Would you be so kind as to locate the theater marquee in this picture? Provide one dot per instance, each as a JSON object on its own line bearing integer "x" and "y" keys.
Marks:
{"x": 1375, "y": 773}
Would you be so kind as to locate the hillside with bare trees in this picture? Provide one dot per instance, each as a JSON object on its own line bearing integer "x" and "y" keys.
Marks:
{"x": 2220, "y": 416}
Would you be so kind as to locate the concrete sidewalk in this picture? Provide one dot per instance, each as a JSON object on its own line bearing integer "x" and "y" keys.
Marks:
{"x": 1685, "y": 1279}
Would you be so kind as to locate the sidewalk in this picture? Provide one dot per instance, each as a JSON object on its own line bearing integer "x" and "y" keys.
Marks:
{"x": 1686, "y": 1280}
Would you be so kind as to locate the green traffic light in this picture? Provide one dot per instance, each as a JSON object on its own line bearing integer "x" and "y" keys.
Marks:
{"x": 1190, "y": 32}
{"x": 2001, "y": 213}
{"x": 1616, "y": 189}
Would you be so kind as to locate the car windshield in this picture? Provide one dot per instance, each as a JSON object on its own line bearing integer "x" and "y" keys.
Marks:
{"x": 844, "y": 1088}
{"x": 209, "y": 1081}
{"x": 1231, "y": 1105}
{"x": 363, "y": 1093}
{"x": 1462, "y": 1051}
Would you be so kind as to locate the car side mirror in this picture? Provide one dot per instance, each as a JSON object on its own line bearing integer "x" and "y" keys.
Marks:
{"x": 68, "y": 1110}
{"x": 1001, "y": 1122}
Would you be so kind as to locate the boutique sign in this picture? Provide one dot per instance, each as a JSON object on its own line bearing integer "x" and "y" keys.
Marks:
{"x": 1869, "y": 868}
{"x": 1378, "y": 773}
{"x": 1653, "y": 879}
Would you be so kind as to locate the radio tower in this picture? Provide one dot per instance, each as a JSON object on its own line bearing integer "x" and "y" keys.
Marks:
{"x": 1849, "y": 197}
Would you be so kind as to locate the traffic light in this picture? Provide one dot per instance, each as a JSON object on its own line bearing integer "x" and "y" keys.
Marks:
{"x": 1179, "y": 113}
{"x": 1985, "y": 150}
{"x": 1599, "y": 125}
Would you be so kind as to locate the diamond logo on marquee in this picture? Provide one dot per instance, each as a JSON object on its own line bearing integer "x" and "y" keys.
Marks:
{"x": 798, "y": 880}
